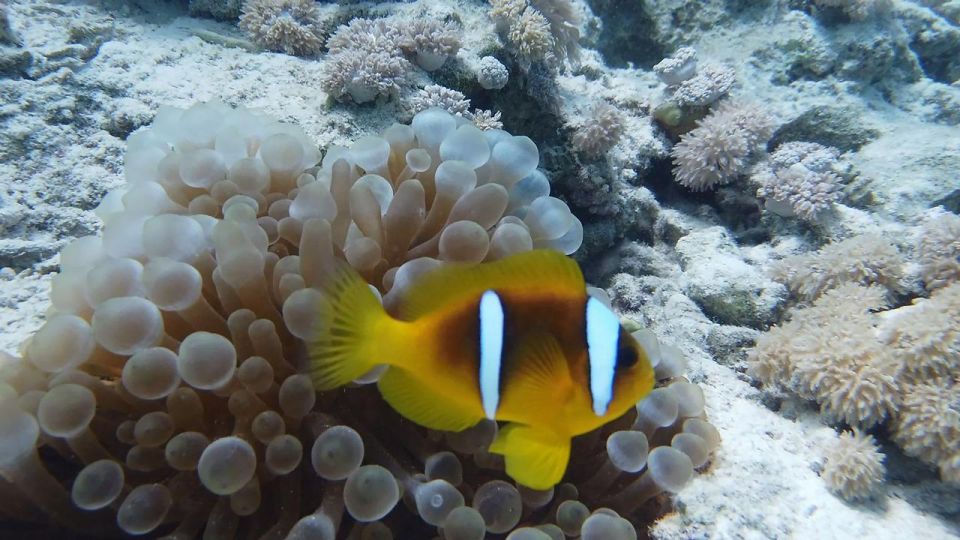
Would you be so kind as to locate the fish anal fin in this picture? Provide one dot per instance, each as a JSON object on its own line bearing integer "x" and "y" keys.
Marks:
{"x": 534, "y": 457}
{"x": 537, "y": 377}
{"x": 539, "y": 270}
{"x": 417, "y": 402}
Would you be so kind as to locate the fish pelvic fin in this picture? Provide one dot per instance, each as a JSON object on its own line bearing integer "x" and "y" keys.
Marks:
{"x": 535, "y": 458}
{"x": 422, "y": 404}
{"x": 353, "y": 331}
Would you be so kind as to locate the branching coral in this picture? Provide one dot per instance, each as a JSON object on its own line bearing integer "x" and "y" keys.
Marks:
{"x": 486, "y": 119}
{"x": 289, "y": 26}
{"x": 165, "y": 386}
{"x": 854, "y": 468}
{"x": 719, "y": 148}
{"x": 863, "y": 259}
{"x": 798, "y": 179}
{"x": 599, "y": 131}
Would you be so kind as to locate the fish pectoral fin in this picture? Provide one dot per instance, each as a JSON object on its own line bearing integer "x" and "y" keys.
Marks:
{"x": 419, "y": 403}
{"x": 536, "y": 458}
{"x": 537, "y": 376}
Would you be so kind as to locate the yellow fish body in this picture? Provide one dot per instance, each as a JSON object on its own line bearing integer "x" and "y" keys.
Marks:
{"x": 516, "y": 340}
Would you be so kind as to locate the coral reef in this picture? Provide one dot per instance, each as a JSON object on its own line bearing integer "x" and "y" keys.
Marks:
{"x": 857, "y": 9}
{"x": 854, "y": 468}
{"x": 224, "y": 10}
{"x": 718, "y": 150}
{"x": 927, "y": 425}
{"x": 434, "y": 95}
{"x": 492, "y": 74}
{"x": 843, "y": 366}
{"x": 167, "y": 378}
{"x": 453, "y": 102}
{"x": 365, "y": 61}
{"x": 709, "y": 85}
{"x": 431, "y": 42}
{"x": 679, "y": 67}
{"x": 538, "y": 30}
{"x": 7, "y": 34}
{"x": 368, "y": 57}
{"x": 872, "y": 339}
{"x": 865, "y": 368}
{"x": 599, "y": 131}
{"x": 798, "y": 179}
{"x": 938, "y": 250}
{"x": 864, "y": 259}
{"x": 289, "y": 26}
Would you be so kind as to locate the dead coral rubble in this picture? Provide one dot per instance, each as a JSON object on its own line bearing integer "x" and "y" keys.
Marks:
{"x": 165, "y": 394}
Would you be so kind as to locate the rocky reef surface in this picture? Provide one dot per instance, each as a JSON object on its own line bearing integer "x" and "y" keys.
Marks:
{"x": 666, "y": 128}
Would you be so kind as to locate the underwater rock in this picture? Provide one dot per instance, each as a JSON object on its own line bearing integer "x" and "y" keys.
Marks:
{"x": 828, "y": 125}
{"x": 727, "y": 288}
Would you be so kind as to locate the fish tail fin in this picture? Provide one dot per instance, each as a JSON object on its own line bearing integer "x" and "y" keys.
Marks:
{"x": 353, "y": 331}
{"x": 535, "y": 458}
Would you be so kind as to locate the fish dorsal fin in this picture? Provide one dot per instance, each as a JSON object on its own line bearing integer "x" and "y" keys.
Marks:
{"x": 419, "y": 403}
{"x": 536, "y": 377}
{"x": 532, "y": 271}
{"x": 534, "y": 458}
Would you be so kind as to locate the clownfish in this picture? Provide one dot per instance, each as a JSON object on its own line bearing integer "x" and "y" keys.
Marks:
{"x": 517, "y": 340}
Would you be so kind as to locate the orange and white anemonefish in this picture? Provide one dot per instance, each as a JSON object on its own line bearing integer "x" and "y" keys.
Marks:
{"x": 516, "y": 340}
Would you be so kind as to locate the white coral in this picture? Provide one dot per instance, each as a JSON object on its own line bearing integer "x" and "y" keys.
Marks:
{"x": 492, "y": 74}
{"x": 798, "y": 179}
{"x": 679, "y": 67}
{"x": 857, "y": 10}
{"x": 719, "y": 148}
{"x": 289, "y": 26}
{"x": 864, "y": 259}
{"x": 431, "y": 42}
{"x": 939, "y": 249}
{"x": 854, "y": 468}
{"x": 599, "y": 131}
{"x": 928, "y": 426}
{"x": 712, "y": 83}
{"x": 365, "y": 61}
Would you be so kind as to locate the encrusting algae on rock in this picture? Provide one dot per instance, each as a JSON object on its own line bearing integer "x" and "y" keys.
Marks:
{"x": 167, "y": 393}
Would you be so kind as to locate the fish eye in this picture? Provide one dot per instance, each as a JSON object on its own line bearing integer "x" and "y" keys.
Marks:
{"x": 626, "y": 353}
